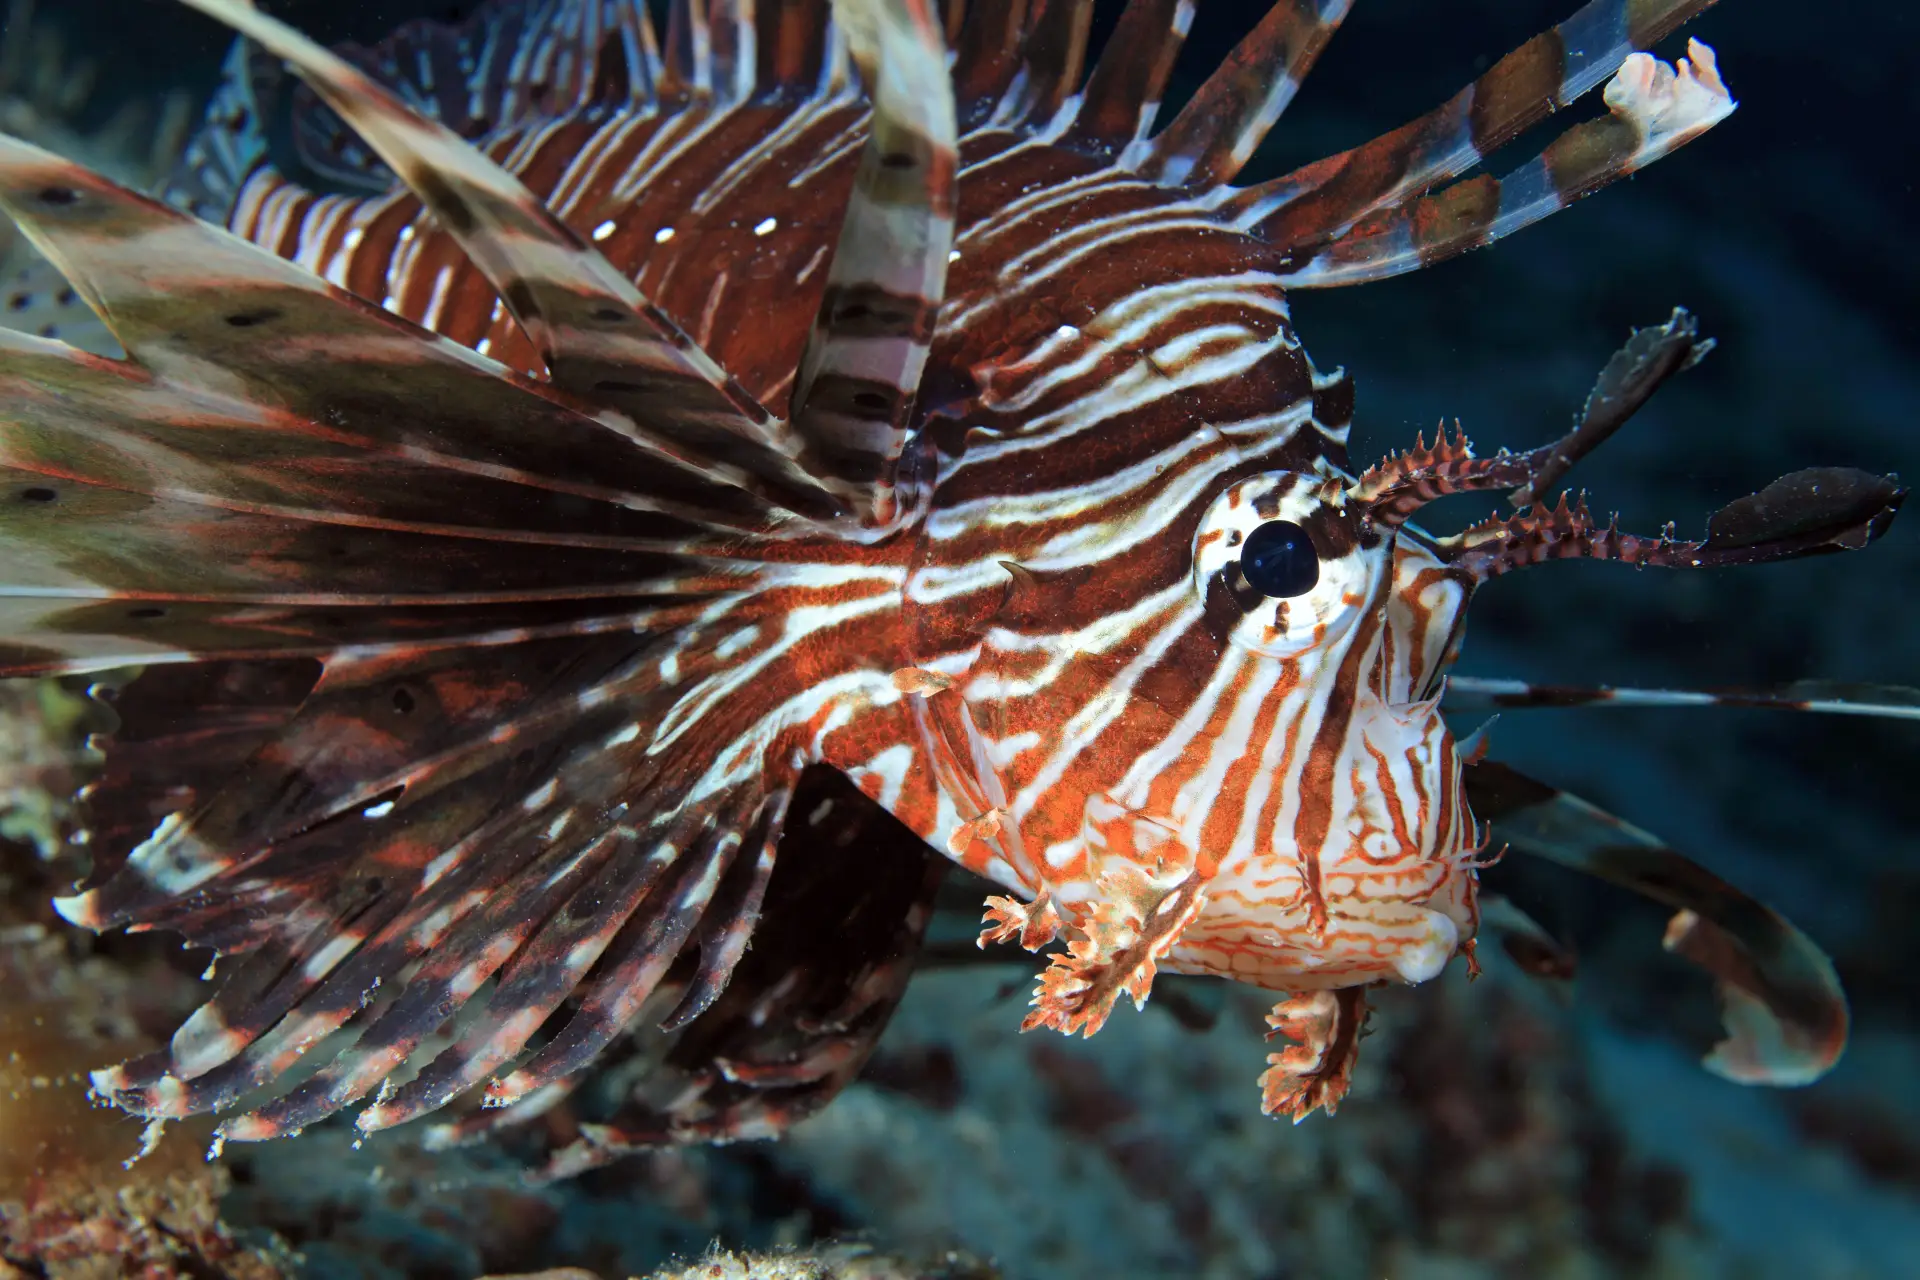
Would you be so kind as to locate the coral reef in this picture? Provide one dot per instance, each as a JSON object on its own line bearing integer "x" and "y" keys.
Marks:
{"x": 1473, "y": 1143}
{"x": 829, "y": 1262}
{"x": 42, "y": 725}
{"x": 846, "y": 1261}
{"x": 85, "y": 1191}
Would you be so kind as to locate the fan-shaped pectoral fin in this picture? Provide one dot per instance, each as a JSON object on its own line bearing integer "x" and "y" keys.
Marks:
{"x": 1114, "y": 946}
{"x": 1781, "y": 1004}
{"x": 1146, "y": 888}
{"x": 805, "y": 1007}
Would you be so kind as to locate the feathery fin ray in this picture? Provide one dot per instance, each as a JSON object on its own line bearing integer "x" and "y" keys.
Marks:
{"x": 598, "y": 334}
{"x": 862, "y": 363}
{"x": 1786, "y": 1017}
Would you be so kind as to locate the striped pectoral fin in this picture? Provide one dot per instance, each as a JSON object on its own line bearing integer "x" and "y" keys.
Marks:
{"x": 503, "y": 864}
{"x": 388, "y": 733}
{"x": 332, "y": 919}
{"x": 599, "y": 335}
{"x": 696, "y": 887}
{"x": 1653, "y": 109}
{"x": 1322, "y": 200}
{"x": 304, "y": 377}
{"x": 722, "y": 868}
{"x": 281, "y": 467}
{"x": 861, "y": 366}
{"x": 1219, "y": 129}
{"x": 516, "y": 919}
{"x": 1147, "y": 888}
{"x": 104, "y": 575}
{"x": 1784, "y": 1012}
{"x": 841, "y": 924}
{"x": 178, "y": 733}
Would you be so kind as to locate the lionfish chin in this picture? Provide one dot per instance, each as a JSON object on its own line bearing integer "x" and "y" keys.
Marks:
{"x": 675, "y": 480}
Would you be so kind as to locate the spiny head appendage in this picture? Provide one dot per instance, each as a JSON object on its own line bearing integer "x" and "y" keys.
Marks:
{"x": 1401, "y": 483}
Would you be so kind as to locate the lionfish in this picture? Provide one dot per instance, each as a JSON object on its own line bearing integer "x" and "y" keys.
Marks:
{"x": 682, "y": 488}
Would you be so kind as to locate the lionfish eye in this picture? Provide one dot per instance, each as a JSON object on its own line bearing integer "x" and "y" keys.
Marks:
{"x": 1278, "y": 559}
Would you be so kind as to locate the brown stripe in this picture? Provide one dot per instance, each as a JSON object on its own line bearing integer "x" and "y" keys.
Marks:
{"x": 1315, "y": 819}
{"x": 862, "y": 310}
{"x": 1651, "y": 21}
{"x": 1525, "y": 80}
{"x": 1454, "y": 220}
{"x": 1590, "y": 155}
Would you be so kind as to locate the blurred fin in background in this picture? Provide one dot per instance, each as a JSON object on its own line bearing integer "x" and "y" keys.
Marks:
{"x": 46, "y": 91}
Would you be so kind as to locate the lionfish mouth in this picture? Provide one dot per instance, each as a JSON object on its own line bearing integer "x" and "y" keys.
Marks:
{"x": 1808, "y": 512}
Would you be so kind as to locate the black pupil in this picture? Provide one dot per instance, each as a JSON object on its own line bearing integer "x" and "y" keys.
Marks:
{"x": 1278, "y": 560}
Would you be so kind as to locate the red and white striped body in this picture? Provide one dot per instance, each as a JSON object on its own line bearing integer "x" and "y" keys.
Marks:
{"x": 942, "y": 429}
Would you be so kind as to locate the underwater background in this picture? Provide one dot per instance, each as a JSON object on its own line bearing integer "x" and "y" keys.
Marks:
{"x": 1511, "y": 1128}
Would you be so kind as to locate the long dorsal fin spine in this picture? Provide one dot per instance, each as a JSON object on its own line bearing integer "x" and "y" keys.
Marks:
{"x": 1122, "y": 96}
{"x": 861, "y": 367}
{"x": 1322, "y": 200}
{"x": 1218, "y": 130}
{"x": 597, "y": 332}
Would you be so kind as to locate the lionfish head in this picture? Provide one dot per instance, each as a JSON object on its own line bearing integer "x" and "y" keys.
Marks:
{"x": 1348, "y": 850}
{"x": 1344, "y": 627}
{"x": 1237, "y": 763}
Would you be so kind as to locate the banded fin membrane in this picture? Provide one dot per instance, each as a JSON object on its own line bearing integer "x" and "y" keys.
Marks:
{"x": 1784, "y": 1012}
{"x": 1324, "y": 203}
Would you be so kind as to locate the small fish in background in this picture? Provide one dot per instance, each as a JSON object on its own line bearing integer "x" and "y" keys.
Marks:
{"x": 576, "y": 556}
